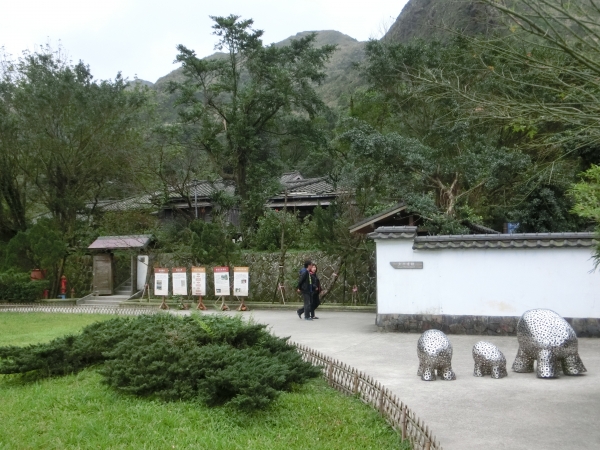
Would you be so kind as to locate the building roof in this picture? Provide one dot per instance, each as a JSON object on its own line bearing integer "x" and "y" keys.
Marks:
{"x": 369, "y": 223}
{"x": 135, "y": 241}
{"x": 467, "y": 241}
{"x": 291, "y": 176}
{"x": 298, "y": 203}
{"x": 302, "y": 191}
{"x": 203, "y": 190}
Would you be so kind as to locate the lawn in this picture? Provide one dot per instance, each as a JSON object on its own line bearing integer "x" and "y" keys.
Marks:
{"x": 78, "y": 411}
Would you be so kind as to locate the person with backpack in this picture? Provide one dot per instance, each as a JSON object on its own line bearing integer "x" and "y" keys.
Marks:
{"x": 306, "y": 289}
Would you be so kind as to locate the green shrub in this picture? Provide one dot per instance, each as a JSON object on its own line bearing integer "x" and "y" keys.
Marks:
{"x": 213, "y": 359}
{"x": 18, "y": 287}
{"x": 67, "y": 354}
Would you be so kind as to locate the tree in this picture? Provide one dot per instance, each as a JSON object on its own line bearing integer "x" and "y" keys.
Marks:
{"x": 403, "y": 142}
{"x": 241, "y": 106}
{"x": 66, "y": 141}
{"x": 586, "y": 194}
{"x": 542, "y": 70}
{"x": 13, "y": 186}
{"x": 73, "y": 135}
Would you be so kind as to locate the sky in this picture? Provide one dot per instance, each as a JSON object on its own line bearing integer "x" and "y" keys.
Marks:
{"x": 138, "y": 37}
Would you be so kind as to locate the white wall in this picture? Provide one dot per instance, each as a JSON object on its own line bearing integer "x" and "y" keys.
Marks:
{"x": 487, "y": 282}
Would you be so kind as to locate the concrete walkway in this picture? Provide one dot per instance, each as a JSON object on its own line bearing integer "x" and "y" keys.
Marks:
{"x": 516, "y": 412}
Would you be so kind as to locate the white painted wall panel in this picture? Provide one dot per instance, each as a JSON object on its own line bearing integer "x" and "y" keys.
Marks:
{"x": 488, "y": 282}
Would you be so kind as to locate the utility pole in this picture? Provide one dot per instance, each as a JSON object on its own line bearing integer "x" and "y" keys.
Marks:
{"x": 196, "y": 197}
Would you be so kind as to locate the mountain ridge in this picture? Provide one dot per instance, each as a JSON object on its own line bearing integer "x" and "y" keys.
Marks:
{"x": 419, "y": 19}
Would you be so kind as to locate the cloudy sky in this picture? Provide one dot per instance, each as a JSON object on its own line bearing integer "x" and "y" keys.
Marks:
{"x": 138, "y": 37}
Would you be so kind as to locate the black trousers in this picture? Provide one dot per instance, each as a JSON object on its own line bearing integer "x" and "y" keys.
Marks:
{"x": 316, "y": 301}
{"x": 307, "y": 309}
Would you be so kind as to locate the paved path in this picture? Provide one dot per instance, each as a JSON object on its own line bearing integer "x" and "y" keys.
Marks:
{"x": 516, "y": 412}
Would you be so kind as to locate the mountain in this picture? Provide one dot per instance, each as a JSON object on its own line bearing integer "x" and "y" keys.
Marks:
{"x": 436, "y": 19}
{"x": 341, "y": 79}
{"x": 419, "y": 19}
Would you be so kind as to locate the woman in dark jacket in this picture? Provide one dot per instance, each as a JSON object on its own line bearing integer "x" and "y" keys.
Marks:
{"x": 316, "y": 284}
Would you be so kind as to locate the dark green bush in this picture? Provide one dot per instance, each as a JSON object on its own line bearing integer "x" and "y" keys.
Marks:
{"x": 67, "y": 354}
{"x": 213, "y": 359}
{"x": 18, "y": 287}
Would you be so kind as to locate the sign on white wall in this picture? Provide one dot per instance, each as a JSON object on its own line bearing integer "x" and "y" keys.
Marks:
{"x": 180, "y": 281}
{"x": 199, "y": 281}
{"x": 240, "y": 281}
{"x": 161, "y": 281}
{"x": 221, "y": 281}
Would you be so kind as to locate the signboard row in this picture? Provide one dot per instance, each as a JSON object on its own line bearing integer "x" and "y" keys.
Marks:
{"x": 198, "y": 281}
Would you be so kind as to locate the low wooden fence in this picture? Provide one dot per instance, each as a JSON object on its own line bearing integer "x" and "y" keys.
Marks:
{"x": 126, "y": 311}
{"x": 350, "y": 381}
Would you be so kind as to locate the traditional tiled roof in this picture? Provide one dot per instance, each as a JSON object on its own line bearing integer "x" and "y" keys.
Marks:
{"x": 121, "y": 242}
{"x": 310, "y": 186}
{"x": 521, "y": 240}
{"x": 304, "y": 191}
{"x": 202, "y": 189}
{"x": 291, "y": 176}
{"x": 141, "y": 202}
{"x": 524, "y": 240}
{"x": 370, "y": 222}
{"x": 394, "y": 233}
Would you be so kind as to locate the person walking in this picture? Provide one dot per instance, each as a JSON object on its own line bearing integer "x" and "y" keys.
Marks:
{"x": 305, "y": 288}
{"x": 316, "y": 284}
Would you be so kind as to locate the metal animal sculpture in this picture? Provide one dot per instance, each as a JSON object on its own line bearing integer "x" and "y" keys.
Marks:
{"x": 546, "y": 337}
{"x": 489, "y": 360}
{"x": 435, "y": 354}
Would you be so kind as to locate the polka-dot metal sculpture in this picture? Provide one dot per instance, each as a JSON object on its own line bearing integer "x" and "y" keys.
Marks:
{"x": 435, "y": 354}
{"x": 548, "y": 338}
{"x": 489, "y": 360}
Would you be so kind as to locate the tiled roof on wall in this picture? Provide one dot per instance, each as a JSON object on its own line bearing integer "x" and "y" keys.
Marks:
{"x": 394, "y": 233}
{"x": 521, "y": 240}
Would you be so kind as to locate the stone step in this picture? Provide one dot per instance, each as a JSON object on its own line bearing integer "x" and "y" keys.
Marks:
{"x": 93, "y": 303}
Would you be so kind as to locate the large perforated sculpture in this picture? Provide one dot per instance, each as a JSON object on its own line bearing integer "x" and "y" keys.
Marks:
{"x": 489, "y": 360}
{"x": 435, "y": 354}
{"x": 548, "y": 338}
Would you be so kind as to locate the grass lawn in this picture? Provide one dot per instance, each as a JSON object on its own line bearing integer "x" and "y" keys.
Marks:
{"x": 78, "y": 411}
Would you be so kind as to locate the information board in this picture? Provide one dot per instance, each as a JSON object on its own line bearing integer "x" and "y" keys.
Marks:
{"x": 161, "y": 282}
{"x": 179, "y": 276}
{"x": 199, "y": 281}
{"x": 221, "y": 281}
{"x": 240, "y": 281}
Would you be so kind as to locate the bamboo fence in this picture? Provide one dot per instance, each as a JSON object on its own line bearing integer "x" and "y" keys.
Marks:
{"x": 350, "y": 381}
{"x": 125, "y": 311}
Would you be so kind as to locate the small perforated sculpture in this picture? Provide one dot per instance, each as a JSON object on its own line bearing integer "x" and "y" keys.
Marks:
{"x": 435, "y": 353}
{"x": 548, "y": 338}
{"x": 489, "y": 360}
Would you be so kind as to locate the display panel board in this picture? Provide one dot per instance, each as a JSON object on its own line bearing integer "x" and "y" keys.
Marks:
{"x": 179, "y": 276}
{"x": 161, "y": 282}
{"x": 221, "y": 275}
{"x": 199, "y": 281}
{"x": 240, "y": 281}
